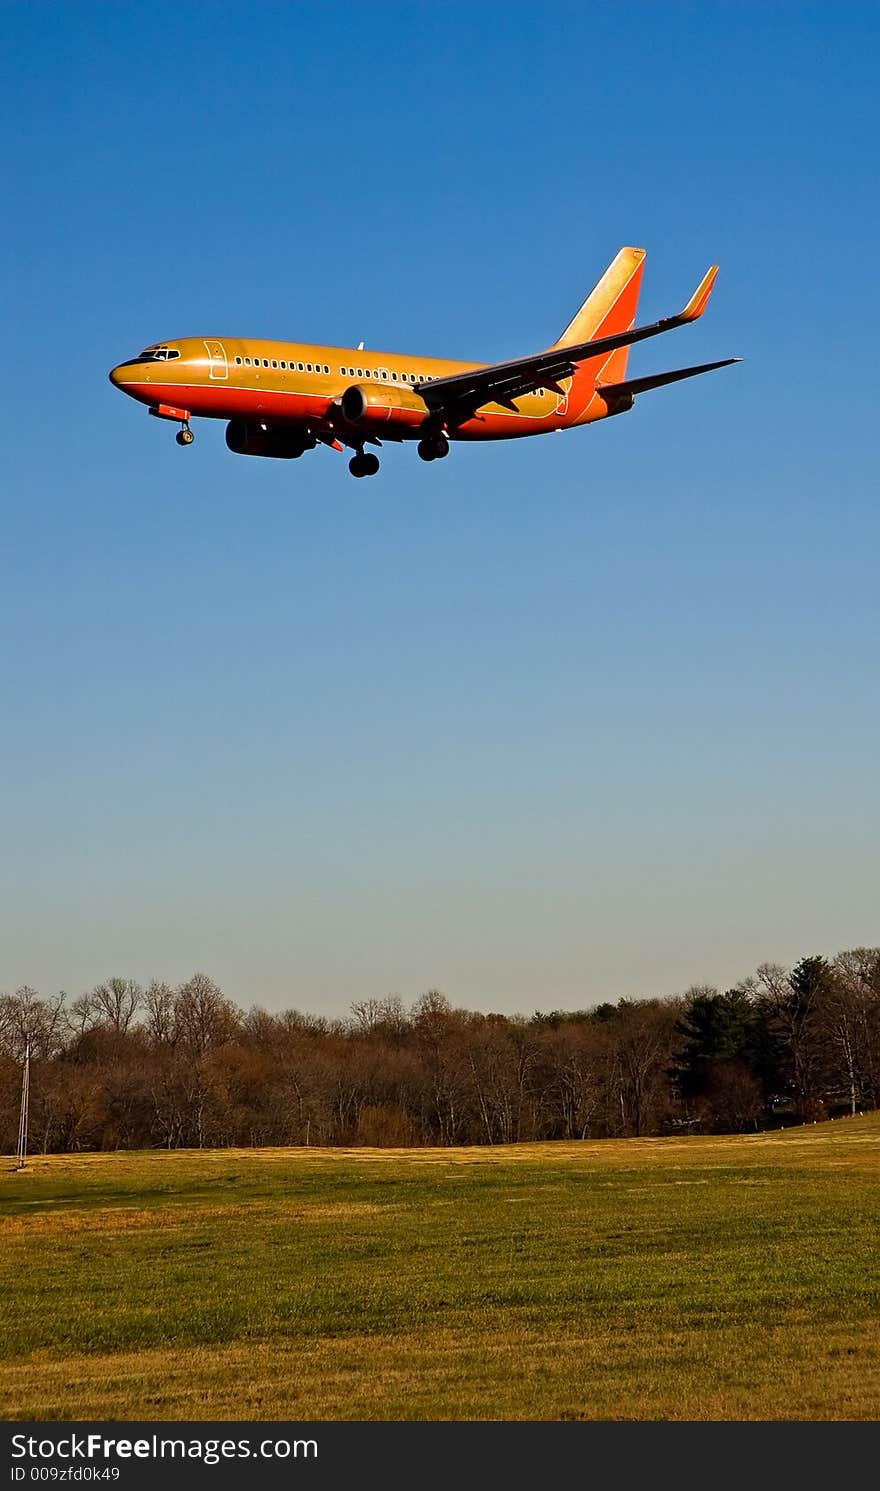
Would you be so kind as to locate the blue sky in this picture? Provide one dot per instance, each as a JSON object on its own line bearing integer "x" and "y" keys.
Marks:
{"x": 546, "y": 723}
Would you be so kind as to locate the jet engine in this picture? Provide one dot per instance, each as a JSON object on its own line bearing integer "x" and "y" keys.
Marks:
{"x": 253, "y": 440}
{"x": 376, "y": 404}
{"x": 354, "y": 404}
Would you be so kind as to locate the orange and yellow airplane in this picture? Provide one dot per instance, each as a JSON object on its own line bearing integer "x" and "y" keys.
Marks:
{"x": 284, "y": 398}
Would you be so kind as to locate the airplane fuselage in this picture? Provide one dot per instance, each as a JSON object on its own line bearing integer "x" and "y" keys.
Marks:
{"x": 300, "y": 385}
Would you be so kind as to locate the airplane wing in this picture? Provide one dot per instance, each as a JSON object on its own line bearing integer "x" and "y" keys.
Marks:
{"x": 457, "y": 397}
{"x": 657, "y": 380}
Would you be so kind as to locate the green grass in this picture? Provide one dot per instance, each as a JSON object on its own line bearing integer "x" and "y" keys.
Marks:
{"x": 693, "y": 1278}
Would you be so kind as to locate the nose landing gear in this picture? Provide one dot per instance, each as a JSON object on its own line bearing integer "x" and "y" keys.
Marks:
{"x": 433, "y": 448}
{"x": 364, "y": 464}
{"x": 185, "y": 435}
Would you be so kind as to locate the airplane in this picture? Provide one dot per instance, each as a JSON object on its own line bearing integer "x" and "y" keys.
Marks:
{"x": 284, "y": 398}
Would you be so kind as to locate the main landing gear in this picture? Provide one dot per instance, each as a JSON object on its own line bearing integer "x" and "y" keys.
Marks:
{"x": 433, "y": 448}
{"x": 364, "y": 464}
{"x": 185, "y": 435}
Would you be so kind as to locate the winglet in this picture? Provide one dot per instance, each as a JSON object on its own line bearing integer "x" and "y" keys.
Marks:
{"x": 700, "y": 298}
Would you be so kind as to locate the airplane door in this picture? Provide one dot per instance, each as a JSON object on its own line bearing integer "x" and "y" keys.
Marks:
{"x": 561, "y": 409}
{"x": 218, "y": 361}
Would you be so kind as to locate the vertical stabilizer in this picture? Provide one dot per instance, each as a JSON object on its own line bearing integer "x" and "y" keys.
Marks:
{"x": 612, "y": 305}
{"x": 609, "y": 308}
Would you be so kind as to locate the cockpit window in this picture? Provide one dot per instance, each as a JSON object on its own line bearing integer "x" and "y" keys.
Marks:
{"x": 151, "y": 354}
{"x": 156, "y": 354}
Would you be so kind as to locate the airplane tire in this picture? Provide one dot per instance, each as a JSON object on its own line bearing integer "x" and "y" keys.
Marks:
{"x": 426, "y": 450}
{"x": 184, "y": 437}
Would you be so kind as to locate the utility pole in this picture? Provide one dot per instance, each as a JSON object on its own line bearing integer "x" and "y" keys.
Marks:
{"x": 23, "y": 1119}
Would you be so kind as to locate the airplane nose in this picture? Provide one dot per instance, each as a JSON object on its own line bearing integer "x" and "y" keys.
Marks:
{"x": 115, "y": 376}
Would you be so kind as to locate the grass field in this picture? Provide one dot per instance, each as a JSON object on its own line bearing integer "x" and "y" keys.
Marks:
{"x": 643, "y": 1279}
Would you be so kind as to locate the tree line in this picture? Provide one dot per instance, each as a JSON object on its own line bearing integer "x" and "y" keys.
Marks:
{"x": 128, "y": 1067}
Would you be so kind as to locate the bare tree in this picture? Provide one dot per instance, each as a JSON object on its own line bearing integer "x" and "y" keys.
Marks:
{"x": 203, "y": 1018}
{"x": 116, "y": 1003}
{"x": 28, "y": 1020}
{"x": 159, "y": 1012}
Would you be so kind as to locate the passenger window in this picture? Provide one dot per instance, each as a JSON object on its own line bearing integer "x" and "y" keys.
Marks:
{"x": 394, "y": 377}
{"x": 274, "y": 362}
{"x": 238, "y": 362}
{"x": 265, "y": 362}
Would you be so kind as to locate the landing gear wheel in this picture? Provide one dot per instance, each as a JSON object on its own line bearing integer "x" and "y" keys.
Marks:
{"x": 433, "y": 448}
{"x": 363, "y": 465}
{"x": 185, "y": 436}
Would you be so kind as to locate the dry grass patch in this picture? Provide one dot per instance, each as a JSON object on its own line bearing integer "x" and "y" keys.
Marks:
{"x": 442, "y": 1374}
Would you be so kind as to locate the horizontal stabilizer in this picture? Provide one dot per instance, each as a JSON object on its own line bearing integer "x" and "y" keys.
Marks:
{"x": 657, "y": 380}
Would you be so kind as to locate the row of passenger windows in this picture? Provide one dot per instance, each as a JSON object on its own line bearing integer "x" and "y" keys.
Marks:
{"x": 381, "y": 375}
{"x": 302, "y": 367}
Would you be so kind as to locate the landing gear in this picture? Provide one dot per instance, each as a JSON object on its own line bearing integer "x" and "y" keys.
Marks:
{"x": 433, "y": 448}
{"x": 185, "y": 436}
{"x": 364, "y": 465}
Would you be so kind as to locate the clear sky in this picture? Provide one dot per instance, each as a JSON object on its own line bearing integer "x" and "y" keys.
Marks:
{"x": 549, "y": 722}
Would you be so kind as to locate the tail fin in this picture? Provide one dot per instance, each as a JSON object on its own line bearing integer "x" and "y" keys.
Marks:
{"x": 609, "y": 308}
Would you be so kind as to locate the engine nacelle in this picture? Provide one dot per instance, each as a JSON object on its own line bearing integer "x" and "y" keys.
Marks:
{"x": 372, "y": 404}
{"x": 354, "y": 404}
{"x": 252, "y": 440}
